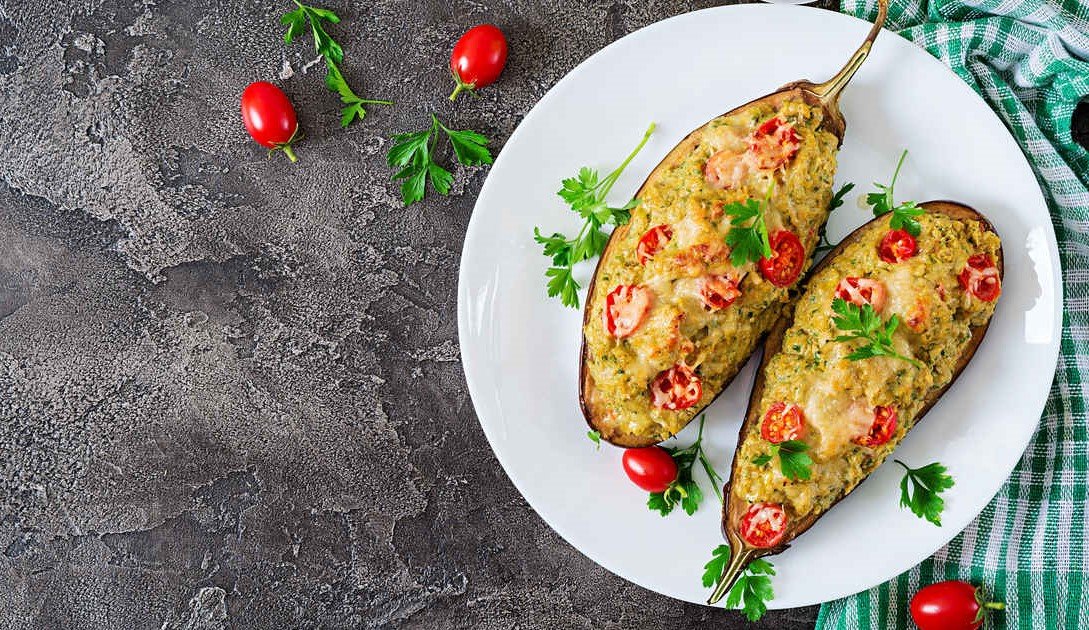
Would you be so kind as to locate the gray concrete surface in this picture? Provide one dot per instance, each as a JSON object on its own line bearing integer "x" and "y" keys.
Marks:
{"x": 230, "y": 389}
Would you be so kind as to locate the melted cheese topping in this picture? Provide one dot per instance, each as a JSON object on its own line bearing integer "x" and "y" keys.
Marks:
{"x": 838, "y": 395}
{"x": 715, "y": 343}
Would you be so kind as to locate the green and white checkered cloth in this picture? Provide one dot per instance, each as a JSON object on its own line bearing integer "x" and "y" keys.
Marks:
{"x": 1029, "y": 59}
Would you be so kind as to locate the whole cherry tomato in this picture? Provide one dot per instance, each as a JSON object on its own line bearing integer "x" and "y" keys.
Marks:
{"x": 270, "y": 118}
{"x": 478, "y": 58}
{"x": 650, "y": 468}
{"x": 951, "y": 605}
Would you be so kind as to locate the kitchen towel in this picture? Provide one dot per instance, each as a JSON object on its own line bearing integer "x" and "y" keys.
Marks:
{"x": 1029, "y": 59}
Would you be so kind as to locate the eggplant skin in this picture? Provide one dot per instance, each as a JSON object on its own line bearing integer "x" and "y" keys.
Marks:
{"x": 750, "y": 439}
{"x": 677, "y": 190}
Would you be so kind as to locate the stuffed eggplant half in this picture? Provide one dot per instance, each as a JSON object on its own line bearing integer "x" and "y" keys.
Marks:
{"x": 886, "y": 323}
{"x": 725, "y": 226}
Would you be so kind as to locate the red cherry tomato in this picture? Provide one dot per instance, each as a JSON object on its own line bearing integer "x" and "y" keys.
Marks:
{"x": 651, "y": 468}
{"x": 652, "y": 242}
{"x": 787, "y": 259}
{"x": 625, "y": 308}
{"x": 860, "y": 291}
{"x": 478, "y": 58}
{"x": 718, "y": 292}
{"x": 676, "y": 388}
{"x": 763, "y": 524}
{"x": 951, "y": 605}
{"x": 269, "y": 117}
{"x": 897, "y": 246}
{"x": 782, "y": 422}
{"x": 980, "y": 278}
{"x": 773, "y": 143}
{"x": 882, "y": 429}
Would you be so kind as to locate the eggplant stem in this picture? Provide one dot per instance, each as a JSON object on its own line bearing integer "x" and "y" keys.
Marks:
{"x": 829, "y": 91}
{"x": 729, "y": 576}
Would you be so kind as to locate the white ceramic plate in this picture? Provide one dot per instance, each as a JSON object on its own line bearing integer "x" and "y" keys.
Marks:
{"x": 520, "y": 349}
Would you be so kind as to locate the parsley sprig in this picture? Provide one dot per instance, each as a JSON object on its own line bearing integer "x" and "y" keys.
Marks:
{"x": 905, "y": 215}
{"x": 414, "y": 155}
{"x": 748, "y": 243}
{"x": 920, "y": 488}
{"x": 595, "y": 437}
{"x": 823, "y": 244}
{"x": 793, "y": 459}
{"x": 751, "y": 591}
{"x": 333, "y": 54}
{"x": 684, "y": 489}
{"x": 585, "y": 193}
{"x": 863, "y": 323}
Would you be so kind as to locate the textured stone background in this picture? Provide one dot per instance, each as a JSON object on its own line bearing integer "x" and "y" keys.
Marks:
{"x": 230, "y": 389}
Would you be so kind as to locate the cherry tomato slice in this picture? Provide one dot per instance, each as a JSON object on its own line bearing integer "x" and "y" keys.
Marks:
{"x": 718, "y": 292}
{"x": 652, "y": 242}
{"x": 763, "y": 524}
{"x": 951, "y": 605}
{"x": 478, "y": 58}
{"x": 650, "y": 468}
{"x": 269, "y": 117}
{"x": 787, "y": 259}
{"x": 861, "y": 291}
{"x": 676, "y": 388}
{"x": 626, "y": 307}
{"x": 774, "y": 143}
{"x": 897, "y": 246}
{"x": 980, "y": 278}
{"x": 782, "y": 422}
{"x": 882, "y": 429}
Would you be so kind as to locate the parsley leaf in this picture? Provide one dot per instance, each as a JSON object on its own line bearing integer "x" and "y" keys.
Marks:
{"x": 748, "y": 243}
{"x": 595, "y": 437}
{"x": 903, "y": 215}
{"x": 920, "y": 488}
{"x": 714, "y": 568}
{"x": 793, "y": 460}
{"x": 328, "y": 48}
{"x": 752, "y": 590}
{"x": 413, "y": 153}
{"x": 865, "y": 324}
{"x": 585, "y": 193}
{"x": 684, "y": 490}
{"x": 823, "y": 244}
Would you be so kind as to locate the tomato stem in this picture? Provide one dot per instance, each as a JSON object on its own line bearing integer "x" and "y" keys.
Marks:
{"x": 994, "y": 605}
{"x": 290, "y": 153}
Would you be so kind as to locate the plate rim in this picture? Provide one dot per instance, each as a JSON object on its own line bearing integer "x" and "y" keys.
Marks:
{"x": 464, "y": 331}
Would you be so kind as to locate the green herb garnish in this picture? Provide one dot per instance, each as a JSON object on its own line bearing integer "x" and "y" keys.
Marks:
{"x": 595, "y": 437}
{"x": 865, "y": 324}
{"x": 920, "y": 488}
{"x": 793, "y": 460}
{"x": 748, "y": 243}
{"x": 823, "y": 243}
{"x": 684, "y": 489}
{"x": 904, "y": 215}
{"x": 751, "y": 591}
{"x": 414, "y": 154}
{"x": 333, "y": 54}
{"x": 585, "y": 193}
